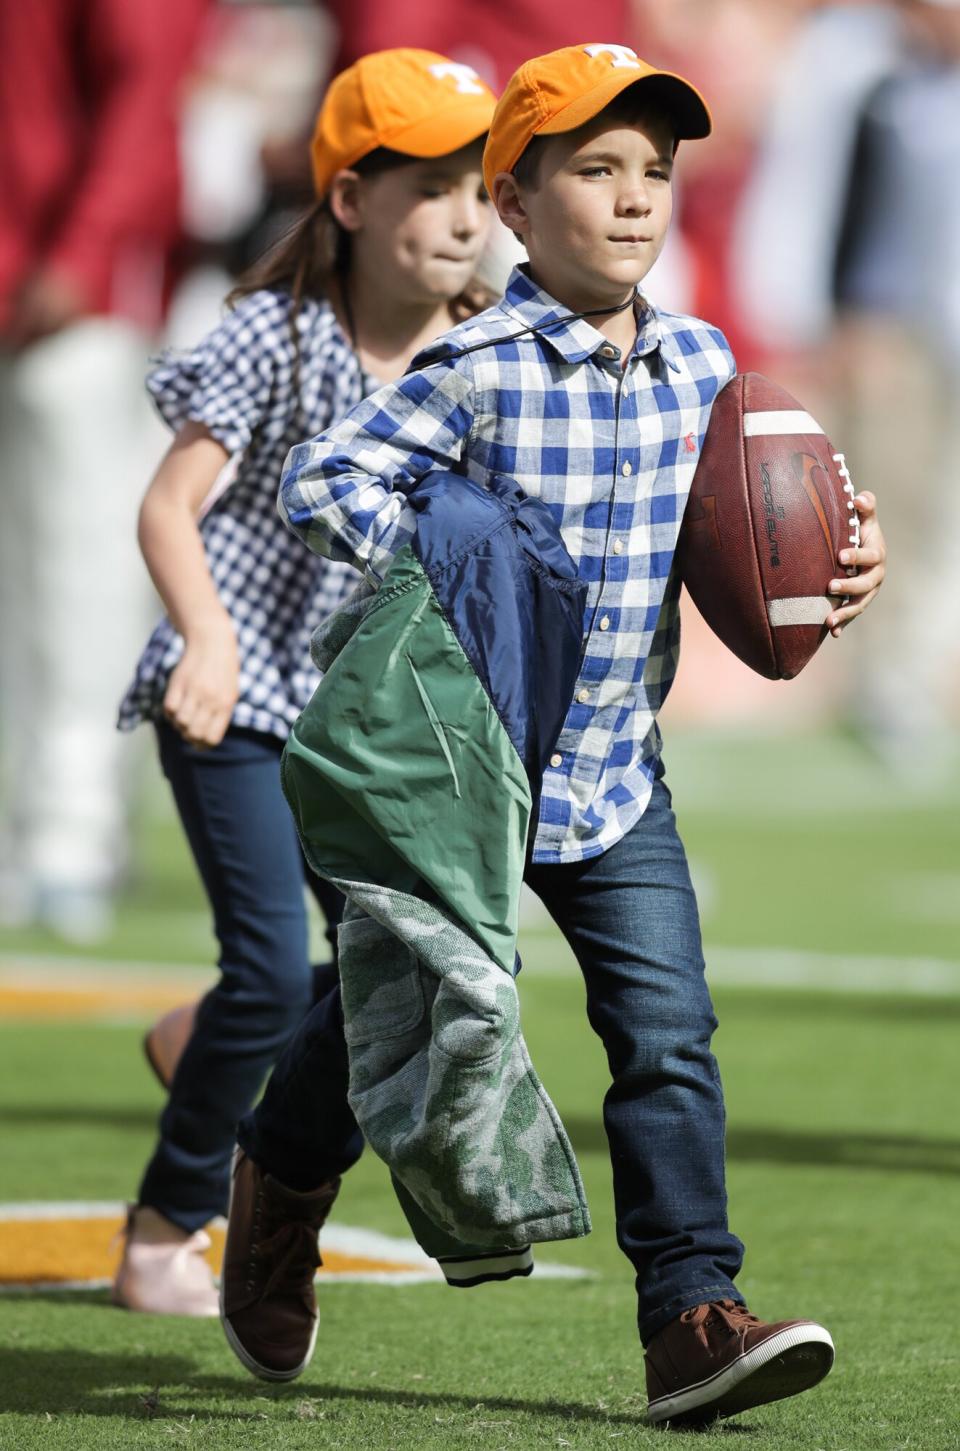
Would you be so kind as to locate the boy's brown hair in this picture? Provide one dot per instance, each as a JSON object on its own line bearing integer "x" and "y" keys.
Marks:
{"x": 631, "y": 108}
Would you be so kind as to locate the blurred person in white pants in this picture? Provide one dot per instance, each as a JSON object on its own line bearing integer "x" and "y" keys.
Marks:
{"x": 88, "y": 215}
{"x": 849, "y": 240}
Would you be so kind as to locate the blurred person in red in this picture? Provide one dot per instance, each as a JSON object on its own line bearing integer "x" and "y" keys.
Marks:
{"x": 729, "y": 48}
{"x": 493, "y": 36}
{"x": 850, "y": 245}
{"x": 88, "y": 214}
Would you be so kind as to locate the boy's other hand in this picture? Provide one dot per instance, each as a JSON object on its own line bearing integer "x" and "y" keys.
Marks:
{"x": 870, "y": 558}
{"x": 203, "y": 689}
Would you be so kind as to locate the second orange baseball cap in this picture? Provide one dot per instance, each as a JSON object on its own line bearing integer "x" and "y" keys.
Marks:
{"x": 565, "y": 89}
{"x": 413, "y": 101}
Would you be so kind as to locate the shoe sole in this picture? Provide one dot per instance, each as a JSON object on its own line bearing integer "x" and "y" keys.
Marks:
{"x": 782, "y": 1366}
{"x": 262, "y": 1372}
{"x": 148, "y": 1053}
{"x": 164, "y": 1064}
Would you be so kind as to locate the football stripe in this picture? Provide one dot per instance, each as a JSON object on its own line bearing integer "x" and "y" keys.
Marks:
{"x": 779, "y": 422}
{"x": 800, "y": 610}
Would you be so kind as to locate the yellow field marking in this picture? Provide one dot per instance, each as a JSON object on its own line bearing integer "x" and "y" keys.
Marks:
{"x": 91, "y": 1002}
{"x": 85, "y": 989}
{"x": 46, "y": 1245}
{"x": 72, "y": 1251}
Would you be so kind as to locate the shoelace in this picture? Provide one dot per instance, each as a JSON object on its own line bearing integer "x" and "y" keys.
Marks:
{"x": 732, "y": 1315}
{"x": 293, "y": 1252}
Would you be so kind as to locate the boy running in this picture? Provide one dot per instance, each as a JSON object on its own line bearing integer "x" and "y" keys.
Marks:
{"x": 595, "y": 402}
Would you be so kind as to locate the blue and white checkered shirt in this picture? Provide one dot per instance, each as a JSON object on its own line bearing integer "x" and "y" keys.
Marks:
{"x": 610, "y": 449}
{"x": 240, "y": 383}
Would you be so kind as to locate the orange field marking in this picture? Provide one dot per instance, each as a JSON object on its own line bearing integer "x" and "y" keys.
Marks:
{"x": 74, "y": 989}
{"x": 92, "y": 1003}
{"x": 74, "y": 1245}
{"x": 77, "y": 1250}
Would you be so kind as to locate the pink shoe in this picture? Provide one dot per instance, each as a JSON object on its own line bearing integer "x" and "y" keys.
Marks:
{"x": 163, "y": 1271}
{"x": 166, "y": 1040}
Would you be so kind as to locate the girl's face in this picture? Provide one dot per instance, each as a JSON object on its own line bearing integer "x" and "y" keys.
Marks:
{"x": 420, "y": 229}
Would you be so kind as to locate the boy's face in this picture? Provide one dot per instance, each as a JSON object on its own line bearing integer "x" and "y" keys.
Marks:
{"x": 420, "y": 228}
{"x": 596, "y": 216}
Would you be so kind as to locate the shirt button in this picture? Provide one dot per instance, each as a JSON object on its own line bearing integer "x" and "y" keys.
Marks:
{"x": 627, "y": 469}
{"x": 583, "y": 696}
{"x": 556, "y": 759}
{"x": 605, "y": 623}
{"x": 618, "y": 546}
{"x": 609, "y": 352}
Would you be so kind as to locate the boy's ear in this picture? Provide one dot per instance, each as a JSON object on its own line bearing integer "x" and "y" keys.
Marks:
{"x": 509, "y": 203}
{"x": 344, "y": 198}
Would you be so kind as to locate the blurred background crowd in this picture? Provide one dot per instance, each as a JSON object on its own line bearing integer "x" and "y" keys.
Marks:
{"x": 149, "y": 149}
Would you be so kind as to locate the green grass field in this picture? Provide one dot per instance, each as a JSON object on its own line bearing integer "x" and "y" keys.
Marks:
{"x": 815, "y": 871}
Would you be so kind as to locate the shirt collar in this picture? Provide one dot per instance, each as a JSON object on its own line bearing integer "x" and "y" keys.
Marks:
{"x": 578, "y": 340}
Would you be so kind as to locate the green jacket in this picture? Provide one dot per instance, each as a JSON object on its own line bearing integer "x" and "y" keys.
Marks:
{"x": 414, "y": 775}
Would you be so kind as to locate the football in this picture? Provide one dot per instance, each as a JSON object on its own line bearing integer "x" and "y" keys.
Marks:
{"x": 770, "y": 508}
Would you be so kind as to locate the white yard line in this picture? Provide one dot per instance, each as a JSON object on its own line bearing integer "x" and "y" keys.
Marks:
{"x": 396, "y": 1279}
{"x": 28, "y": 969}
{"x": 414, "y": 1266}
{"x": 838, "y": 972}
{"x": 778, "y": 967}
{"x": 773, "y": 967}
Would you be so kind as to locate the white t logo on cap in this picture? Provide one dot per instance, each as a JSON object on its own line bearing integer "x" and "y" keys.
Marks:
{"x": 622, "y": 54}
{"x": 468, "y": 82}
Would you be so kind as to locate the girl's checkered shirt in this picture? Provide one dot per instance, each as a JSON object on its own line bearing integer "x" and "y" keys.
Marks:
{"x": 240, "y": 383}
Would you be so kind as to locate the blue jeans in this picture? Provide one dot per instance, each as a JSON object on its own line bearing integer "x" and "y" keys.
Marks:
{"x": 630, "y": 916}
{"x": 246, "y": 849}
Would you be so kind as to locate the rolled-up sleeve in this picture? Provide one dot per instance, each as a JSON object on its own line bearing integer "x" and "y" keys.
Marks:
{"x": 229, "y": 380}
{"x": 344, "y": 492}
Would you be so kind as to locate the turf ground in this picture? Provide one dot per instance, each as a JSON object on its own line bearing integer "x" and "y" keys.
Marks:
{"x": 832, "y": 917}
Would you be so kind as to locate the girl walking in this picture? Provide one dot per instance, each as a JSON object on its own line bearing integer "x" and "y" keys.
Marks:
{"x": 380, "y": 266}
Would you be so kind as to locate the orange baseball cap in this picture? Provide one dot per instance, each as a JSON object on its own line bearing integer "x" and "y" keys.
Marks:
{"x": 560, "y": 91}
{"x": 413, "y": 101}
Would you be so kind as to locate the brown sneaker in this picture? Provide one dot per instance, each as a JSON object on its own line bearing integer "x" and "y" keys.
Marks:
{"x": 718, "y": 1359}
{"x": 268, "y": 1307}
{"x": 166, "y": 1040}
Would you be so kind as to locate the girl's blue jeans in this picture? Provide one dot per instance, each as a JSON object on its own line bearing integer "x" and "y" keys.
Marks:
{"x": 245, "y": 845}
{"x": 631, "y": 918}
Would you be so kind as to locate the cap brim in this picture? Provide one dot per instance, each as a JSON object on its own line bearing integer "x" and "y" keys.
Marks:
{"x": 446, "y": 131}
{"x": 684, "y": 102}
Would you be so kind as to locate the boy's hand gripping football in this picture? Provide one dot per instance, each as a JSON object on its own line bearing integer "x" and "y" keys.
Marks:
{"x": 869, "y": 558}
